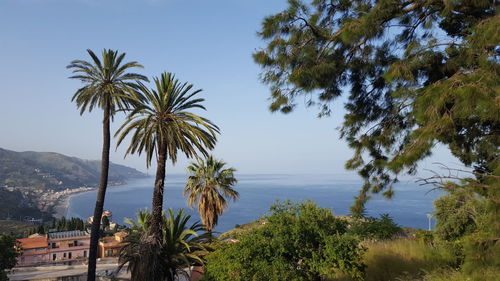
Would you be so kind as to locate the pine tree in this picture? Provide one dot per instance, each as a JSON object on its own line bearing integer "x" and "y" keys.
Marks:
{"x": 414, "y": 74}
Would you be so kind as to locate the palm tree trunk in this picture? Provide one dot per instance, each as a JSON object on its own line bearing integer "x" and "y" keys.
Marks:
{"x": 152, "y": 272}
{"x": 156, "y": 216}
{"x": 101, "y": 193}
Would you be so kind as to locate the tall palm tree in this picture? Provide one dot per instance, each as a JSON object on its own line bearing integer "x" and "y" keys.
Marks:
{"x": 162, "y": 125}
{"x": 208, "y": 186}
{"x": 180, "y": 248}
{"x": 107, "y": 85}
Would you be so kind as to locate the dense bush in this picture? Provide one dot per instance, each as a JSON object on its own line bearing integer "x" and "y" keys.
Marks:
{"x": 298, "y": 242}
{"x": 456, "y": 214}
{"x": 373, "y": 228}
{"x": 8, "y": 254}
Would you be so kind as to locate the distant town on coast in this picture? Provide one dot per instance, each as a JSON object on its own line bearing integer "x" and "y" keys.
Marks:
{"x": 284, "y": 140}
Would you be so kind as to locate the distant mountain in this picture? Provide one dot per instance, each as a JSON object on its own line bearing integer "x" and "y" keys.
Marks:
{"x": 49, "y": 170}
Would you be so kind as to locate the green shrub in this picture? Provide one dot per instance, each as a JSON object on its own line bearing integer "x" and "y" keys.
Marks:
{"x": 426, "y": 237}
{"x": 298, "y": 242}
{"x": 455, "y": 213}
{"x": 373, "y": 228}
{"x": 8, "y": 254}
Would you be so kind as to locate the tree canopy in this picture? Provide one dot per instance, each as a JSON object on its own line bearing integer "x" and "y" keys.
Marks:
{"x": 413, "y": 73}
{"x": 299, "y": 241}
{"x": 8, "y": 254}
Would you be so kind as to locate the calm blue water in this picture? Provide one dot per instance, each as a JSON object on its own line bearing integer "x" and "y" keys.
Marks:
{"x": 409, "y": 206}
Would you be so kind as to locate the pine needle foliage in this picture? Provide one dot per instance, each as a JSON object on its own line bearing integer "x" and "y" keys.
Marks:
{"x": 415, "y": 73}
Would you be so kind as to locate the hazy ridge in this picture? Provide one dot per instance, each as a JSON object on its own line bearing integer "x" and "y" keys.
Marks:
{"x": 55, "y": 171}
{"x": 32, "y": 182}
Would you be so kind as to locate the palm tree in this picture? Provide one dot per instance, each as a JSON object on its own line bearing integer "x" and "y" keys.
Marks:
{"x": 180, "y": 247}
{"x": 143, "y": 220}
{"x": 163, "y": 125}
{"x": 208, "y": 185}
{"x": 107, "y": 85}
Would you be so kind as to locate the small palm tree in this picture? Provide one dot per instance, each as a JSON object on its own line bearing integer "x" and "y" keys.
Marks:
{"x": 143, "y": 220}
{"x": 181, "y": 247}
{"x": 163, "y": 125}
{"x": 107, "y": 85}
{"x": 208, "y": 186}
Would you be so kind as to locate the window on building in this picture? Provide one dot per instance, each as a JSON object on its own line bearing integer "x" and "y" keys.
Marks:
{"x": 69, "y": 255}
{"x": 64, "y": 255}
{"x": 53, "y": 245}
{"x": 54, "y": 257}
{"x": 75, "y": 243}
{"x": 84, "y": 254}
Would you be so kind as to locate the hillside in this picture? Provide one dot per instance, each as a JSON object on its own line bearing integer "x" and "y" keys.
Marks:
{"x": 49, "y": 170}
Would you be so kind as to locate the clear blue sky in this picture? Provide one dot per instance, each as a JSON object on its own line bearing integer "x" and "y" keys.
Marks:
{"x": 207, "y": 43}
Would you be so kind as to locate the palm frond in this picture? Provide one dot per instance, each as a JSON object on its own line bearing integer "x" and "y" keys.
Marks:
{"x": 106, "y": 82}
{"x": 208, "y": 186}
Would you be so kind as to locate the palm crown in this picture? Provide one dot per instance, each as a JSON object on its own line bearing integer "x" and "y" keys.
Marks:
{"x": 208, "y": 185}
{"x": 107, "y": 82}
{"x": 180, "y": 248}
{"x": 160, "y": 118}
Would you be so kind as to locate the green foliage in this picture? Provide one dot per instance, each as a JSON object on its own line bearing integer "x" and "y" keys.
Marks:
{"x": 161, "y": 121}
{"x": 456, "y": 213}
{"x": 15, "y": 228}
{"x": 15, "y": 205}
{"x": 162, "y": 124}
{"x": 297, "y": 242}
{"x": 105, "y": 222}
{"x": 107, "y": 84}
{"x": 426, "y": 237}
{"x": 433, "y": 80}
{"x": 180, "y": 247}
{"x": 373, "y": 228}
{"x": 403, "y": 259}
{"x": 209, "y": 185}
{"x": 414, "y": 74}
{"x": 8, "y": 254}
{"x": 481, "y": 251}
{"x": 61, "y": 224}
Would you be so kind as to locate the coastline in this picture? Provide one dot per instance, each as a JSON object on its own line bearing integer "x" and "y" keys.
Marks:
{"x": 60, "y": 208}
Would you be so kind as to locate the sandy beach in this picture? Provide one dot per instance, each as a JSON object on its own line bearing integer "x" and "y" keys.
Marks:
{"x": 60, "y": 209}
{"x": 61, "y": 206}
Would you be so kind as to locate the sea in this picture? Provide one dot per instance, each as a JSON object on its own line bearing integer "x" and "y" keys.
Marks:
{"x": 409, "y": 207}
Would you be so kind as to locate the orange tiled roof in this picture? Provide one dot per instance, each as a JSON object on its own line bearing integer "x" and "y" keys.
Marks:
{"x": 33, "y": 243}
{"x": 110, "y": 243}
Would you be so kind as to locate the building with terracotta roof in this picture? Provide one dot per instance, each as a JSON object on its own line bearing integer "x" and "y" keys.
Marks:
{"x": 34, "y": 250}
{"x": 110, "y": 246}
{"x": 54, "y": 247}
